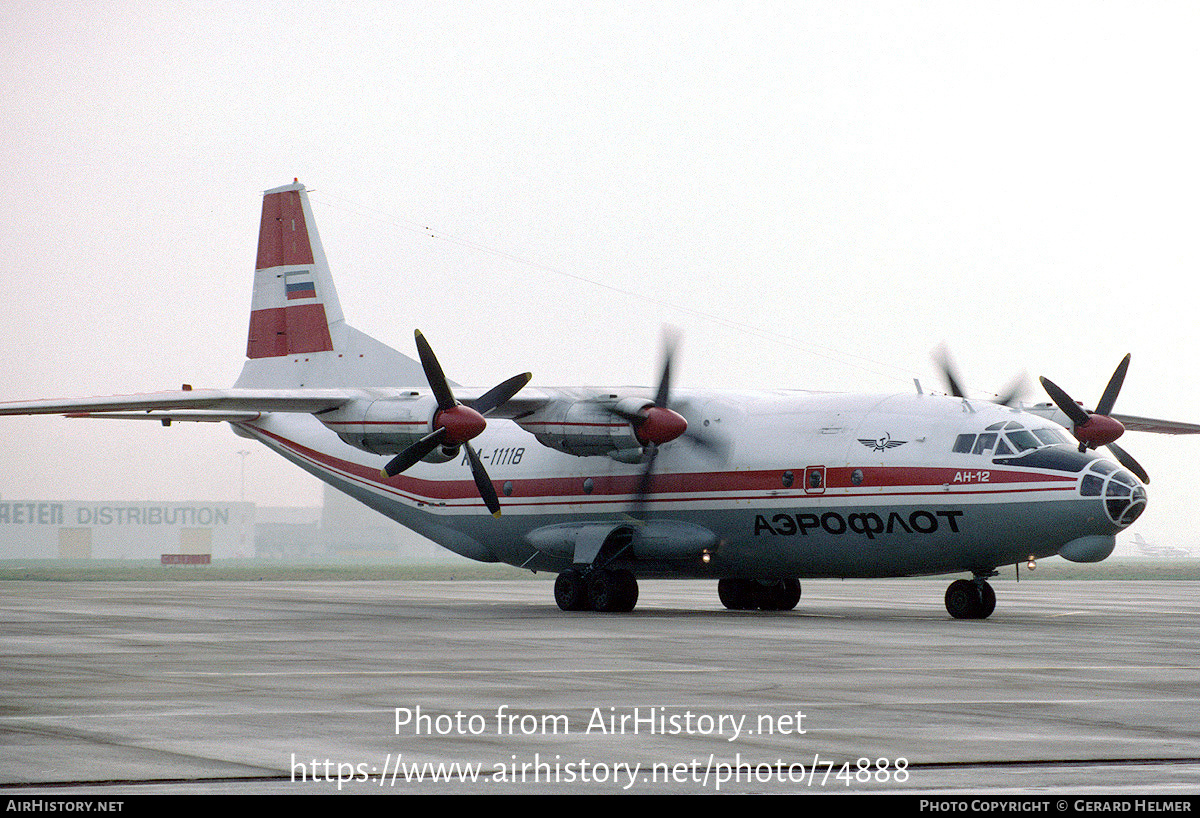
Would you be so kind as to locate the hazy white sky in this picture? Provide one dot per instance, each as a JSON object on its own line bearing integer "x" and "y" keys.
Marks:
{"x": 816, "y": 193}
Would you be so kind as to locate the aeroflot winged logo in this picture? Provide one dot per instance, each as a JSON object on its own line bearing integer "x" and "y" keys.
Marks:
{"x": 881, "y": 444}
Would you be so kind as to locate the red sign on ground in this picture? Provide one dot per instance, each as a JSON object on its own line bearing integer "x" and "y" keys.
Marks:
{"x": 187, "y": 559}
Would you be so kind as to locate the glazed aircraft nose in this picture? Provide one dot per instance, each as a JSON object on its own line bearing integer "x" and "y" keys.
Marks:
{"x": 1123, "y": 494}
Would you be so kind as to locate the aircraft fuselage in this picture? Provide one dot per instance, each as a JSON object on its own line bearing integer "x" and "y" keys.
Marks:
{"x": 825, "y": 485}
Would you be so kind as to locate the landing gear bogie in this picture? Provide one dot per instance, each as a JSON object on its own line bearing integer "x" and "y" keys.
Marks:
{"x": 604, "y": 590}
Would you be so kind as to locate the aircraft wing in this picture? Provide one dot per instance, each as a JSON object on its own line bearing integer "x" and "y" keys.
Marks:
{"x": 188, "y": 404}
{"x": 235, "y": 405}
{"x": 1162, "y": 427}
{"x": 1133, "y": 423}
{"x": 578, "y": 421}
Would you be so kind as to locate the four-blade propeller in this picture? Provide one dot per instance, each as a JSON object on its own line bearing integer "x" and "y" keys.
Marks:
{"x": 1092, "y": 429}
{"x": 954, "y": 383}
{"x": 1097, "y": 428}
{"x": 455, "y": 424}
{"x": 658, "y": 424}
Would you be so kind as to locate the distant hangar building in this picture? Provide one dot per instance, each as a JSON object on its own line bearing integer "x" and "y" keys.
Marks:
{"x": 339, "y": 529}
{"x": 76, "y": 529}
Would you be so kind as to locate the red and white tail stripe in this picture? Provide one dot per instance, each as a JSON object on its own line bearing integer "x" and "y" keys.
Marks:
{"x": 294, "y": 300}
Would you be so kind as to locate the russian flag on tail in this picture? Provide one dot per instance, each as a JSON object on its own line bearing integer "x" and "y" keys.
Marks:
{"x": 299, "y": 285}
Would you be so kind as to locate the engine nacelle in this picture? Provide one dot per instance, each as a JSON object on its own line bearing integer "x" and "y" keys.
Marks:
{"x": 586, "y": 428}
{"x": 386, "y": 425}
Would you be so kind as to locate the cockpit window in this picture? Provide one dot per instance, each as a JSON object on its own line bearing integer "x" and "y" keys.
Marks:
{"x": 1022, "y": 441}
{"x": 985, "y": 443}
{"x": 1050, "y": 437}
{"x": 1006, "y": 439}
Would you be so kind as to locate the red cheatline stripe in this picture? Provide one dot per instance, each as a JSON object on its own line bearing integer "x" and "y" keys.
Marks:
{"x": 675, "y": 488}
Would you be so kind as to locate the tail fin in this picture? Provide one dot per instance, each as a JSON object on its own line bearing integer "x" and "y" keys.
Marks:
{"x": 294, "y": 301}
{"x": 298, "y": 336}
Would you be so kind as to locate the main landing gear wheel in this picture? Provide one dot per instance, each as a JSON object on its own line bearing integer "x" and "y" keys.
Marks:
{"x": 970, "y": 599}
{"x": 741, "y": 594}
{"x": 601, "y": 589}
{"x": 570, "y": 592}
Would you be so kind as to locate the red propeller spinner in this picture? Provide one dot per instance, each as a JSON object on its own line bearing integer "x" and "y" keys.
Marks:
{"x": 1094, "y": 429}
{"x": 455, "y": 424}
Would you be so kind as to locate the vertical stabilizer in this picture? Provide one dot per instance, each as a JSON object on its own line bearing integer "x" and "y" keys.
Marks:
{"x": 294, "y": 301}
{"x": 297, "y": 335}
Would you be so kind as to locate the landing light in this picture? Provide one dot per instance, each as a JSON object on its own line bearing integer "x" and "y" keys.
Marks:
{"x": 1032, "y": 563}
{"x": 705, "y": 556}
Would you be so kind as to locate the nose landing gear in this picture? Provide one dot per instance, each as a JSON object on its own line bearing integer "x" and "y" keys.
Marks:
{"x": 970, "y": 598}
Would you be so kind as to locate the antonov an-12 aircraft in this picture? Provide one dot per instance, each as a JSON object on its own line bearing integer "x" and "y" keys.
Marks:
{"x": 602, "y": 486}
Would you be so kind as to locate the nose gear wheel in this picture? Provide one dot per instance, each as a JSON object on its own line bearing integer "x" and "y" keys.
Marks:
{"x": 970, "y": 599}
